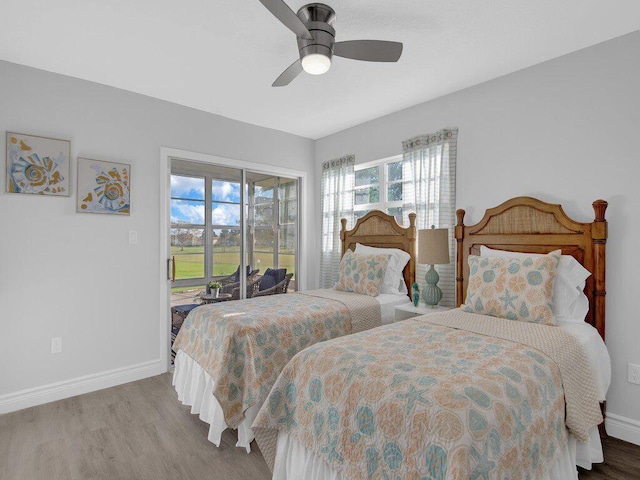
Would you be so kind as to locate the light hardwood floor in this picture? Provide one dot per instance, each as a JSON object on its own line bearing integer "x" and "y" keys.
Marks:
{"x": 140, "y": 431}
{"x": 134, "y": 431}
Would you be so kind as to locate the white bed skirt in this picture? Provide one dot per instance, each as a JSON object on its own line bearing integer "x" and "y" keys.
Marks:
{"x": 195, "y": 387}
{"x": 294, "y": 460}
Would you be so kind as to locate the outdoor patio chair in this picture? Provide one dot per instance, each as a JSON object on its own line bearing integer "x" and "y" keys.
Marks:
{"x": 276, "y": 289}
{"x": 252, "y": 282}
{"x": 230, "y": 283}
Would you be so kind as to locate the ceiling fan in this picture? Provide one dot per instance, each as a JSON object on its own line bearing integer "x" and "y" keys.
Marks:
{"x": 313, "y": 26}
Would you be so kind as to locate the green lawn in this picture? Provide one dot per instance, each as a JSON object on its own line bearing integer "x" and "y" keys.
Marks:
{"x": 190, "y": 261}
{"x": 195, "y": 289}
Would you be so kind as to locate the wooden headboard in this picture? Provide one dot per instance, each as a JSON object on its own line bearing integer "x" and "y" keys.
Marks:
{"x": 526, "y": 224}
{"x": 377, "y": 229}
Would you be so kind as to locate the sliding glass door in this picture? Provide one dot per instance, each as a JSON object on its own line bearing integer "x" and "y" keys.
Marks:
{"x": 273, "y": 224}
{"x": 210, "y": 230}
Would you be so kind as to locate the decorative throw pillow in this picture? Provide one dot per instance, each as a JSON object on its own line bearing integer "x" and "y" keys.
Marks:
{"x": 271, "y": 278}
{"x": 512, "y": 288}
{"x": 362, "y": 273}
{"x": 266, "y": 281}
{"x": 394, "y": 276}
{"x": 570, "y": 304}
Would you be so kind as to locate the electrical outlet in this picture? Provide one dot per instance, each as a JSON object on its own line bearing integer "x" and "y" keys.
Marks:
{"x": 133, "y": 237}
{"x": 56, "y": 345}
{"x": 634, "y": 374}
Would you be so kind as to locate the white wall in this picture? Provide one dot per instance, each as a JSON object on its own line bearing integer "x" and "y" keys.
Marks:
{"x": 566, "y": 131}
{"x": 75, "y": 275}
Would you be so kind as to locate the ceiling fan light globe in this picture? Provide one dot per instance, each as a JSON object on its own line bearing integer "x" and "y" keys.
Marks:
{"x": 316, "y": 63}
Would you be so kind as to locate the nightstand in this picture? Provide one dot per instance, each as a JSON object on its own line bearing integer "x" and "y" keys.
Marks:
{"x": 407, "y": 310}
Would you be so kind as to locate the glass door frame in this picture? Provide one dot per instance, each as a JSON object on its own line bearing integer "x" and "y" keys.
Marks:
{"x": 166, "y": 156}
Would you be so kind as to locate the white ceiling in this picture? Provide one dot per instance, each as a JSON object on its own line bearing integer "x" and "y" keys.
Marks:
{"x": 222, "y": 56}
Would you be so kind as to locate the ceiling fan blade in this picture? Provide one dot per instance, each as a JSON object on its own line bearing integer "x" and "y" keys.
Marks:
{"x": 369, "y": 50}
{"x": 288, "y": 75}
{"x": 290, "y": 20}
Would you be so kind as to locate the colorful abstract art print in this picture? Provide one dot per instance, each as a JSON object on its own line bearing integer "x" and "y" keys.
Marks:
{"x": 104, "y": 187}
{"x": 37, "y": 165}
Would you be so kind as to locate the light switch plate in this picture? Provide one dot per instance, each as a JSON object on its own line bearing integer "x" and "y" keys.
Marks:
{"x": 634, "y": 374}
{"x": 56, "y": 345}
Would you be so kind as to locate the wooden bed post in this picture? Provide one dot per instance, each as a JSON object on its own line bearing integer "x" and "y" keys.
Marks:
{"x": 599, "y": 234}
{"x": 459, "y": 257}
{"x": 412, "y": 235}
{"x": 343, "y": 231}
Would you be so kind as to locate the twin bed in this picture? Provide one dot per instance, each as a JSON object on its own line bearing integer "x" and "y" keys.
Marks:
{"x": 230, "y": 354}
{"x": 456, "y": 394}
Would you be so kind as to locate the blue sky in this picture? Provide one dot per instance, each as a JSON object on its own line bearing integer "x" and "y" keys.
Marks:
{"x": 192, "y": 211}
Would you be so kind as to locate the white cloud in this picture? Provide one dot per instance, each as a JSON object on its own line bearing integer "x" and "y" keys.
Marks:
{"x": 187, "y": 212}
{"x": 226, "y": 191}
{"x": 226, "y": 215}
{"x": 187, "y": 187}
{"x": 194, "y": 211}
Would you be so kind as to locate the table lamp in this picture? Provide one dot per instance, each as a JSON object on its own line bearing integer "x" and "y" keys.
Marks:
{"x": 433, "y": 249}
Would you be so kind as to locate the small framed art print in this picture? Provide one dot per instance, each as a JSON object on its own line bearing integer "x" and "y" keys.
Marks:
{"x": 104, "y": 187}
{"x": 37, "y": 165}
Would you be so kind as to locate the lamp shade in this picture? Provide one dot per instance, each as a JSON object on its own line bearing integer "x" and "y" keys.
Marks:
{"x": 433, "y": 246}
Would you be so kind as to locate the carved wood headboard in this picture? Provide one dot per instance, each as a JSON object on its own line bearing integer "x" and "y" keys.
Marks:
{"x": 526, "y": 224}
{"x": 377, "y": 229}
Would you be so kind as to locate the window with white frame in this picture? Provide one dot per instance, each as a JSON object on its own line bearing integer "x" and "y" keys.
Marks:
{"x": 379, "y": 186}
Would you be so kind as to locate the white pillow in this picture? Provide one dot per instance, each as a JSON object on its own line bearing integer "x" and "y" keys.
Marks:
{"x": 570, "y": 304}
{"x": 393, "y": 279}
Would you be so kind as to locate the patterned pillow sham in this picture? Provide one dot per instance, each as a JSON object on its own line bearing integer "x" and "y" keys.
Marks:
{"x": 513, "y": 288}
{"x": 362, "y": 273}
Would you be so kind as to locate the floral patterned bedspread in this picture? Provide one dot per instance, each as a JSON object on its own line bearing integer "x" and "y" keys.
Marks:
{"x": 244, "y": 345}
{"x": 417, "y": 400}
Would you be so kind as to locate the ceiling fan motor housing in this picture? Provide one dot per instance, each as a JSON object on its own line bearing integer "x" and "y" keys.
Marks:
{"x": 318, "y": 18}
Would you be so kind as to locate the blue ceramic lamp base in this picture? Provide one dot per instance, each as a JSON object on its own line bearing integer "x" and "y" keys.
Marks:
{"x": 431, "y": 292}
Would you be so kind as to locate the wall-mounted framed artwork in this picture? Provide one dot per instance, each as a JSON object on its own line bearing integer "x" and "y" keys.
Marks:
{"x": 37, "y": 165}
{"x": 103, "y": 187}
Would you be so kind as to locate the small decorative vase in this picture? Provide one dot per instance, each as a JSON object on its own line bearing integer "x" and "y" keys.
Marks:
{"x": 432, "y": 293}
{"x": 416, "y": 294}
{"x": 215, "y": 292}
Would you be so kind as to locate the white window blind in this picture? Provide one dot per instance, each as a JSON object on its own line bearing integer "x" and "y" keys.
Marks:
{"x": 337, "y": 197}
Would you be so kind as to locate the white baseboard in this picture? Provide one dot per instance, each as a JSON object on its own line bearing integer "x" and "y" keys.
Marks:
{"x": 624, "y": 428}
{"x": 77, "y": 386}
